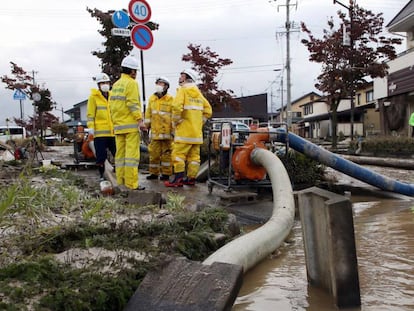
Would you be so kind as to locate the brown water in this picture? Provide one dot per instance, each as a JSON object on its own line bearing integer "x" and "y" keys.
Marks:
{"x": 384, "y": 232}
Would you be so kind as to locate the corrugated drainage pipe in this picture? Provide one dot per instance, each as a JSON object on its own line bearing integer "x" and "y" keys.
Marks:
{"x": 253, "y": 247}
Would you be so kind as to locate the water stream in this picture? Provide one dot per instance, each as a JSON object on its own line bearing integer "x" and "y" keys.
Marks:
{"x": 384, "y": 232}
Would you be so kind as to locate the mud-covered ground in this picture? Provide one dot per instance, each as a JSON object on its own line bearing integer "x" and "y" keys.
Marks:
{"x": 66, "y": 246}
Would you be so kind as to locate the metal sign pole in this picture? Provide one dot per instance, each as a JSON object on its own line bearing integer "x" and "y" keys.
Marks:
{"x": 21, "y": 109}
{"x": 142, "y": 78}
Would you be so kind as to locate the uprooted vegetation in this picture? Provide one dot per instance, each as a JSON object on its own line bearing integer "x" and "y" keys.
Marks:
{"x": 64, "y": 248}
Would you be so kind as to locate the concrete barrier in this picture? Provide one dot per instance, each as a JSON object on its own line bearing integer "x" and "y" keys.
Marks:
{"x": 329, "y": 242}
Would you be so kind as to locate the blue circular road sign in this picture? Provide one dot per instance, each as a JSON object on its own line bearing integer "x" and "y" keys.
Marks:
{"x": 142, "y": 37}
{"x": 120, "y": 19}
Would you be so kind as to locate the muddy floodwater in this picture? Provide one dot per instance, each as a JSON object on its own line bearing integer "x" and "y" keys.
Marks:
{"x": 384, "y": 232}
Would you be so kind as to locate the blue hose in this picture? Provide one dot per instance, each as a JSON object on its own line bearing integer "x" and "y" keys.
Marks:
{"x": 345, "y": 166}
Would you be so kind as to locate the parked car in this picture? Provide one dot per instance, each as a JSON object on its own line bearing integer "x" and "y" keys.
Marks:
{"x": 236, "y": 126}
{"x": 239, "y": 129}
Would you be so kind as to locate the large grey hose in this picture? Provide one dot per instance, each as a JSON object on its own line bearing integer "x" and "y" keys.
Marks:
{"x": 253, "y": 247}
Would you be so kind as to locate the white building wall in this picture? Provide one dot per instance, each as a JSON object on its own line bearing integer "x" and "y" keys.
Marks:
{"x": 401, "y": 62}
{"x": 380, "y": 88}
{"x": 319, "y": 108}
{"x": 83, "y": 112}
{"x": 324, "y": 129}
{"x": 344, "y": 104}
{"x": 345, "y": 128}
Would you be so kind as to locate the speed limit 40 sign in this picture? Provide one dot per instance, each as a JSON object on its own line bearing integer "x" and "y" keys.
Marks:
{"x": 140, "y": 11}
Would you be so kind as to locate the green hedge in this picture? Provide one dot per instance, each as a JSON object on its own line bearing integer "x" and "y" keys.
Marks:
{"x": 386, "y": 146}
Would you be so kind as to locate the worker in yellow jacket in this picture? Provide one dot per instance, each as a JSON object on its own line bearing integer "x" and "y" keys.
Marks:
{"x": 99, "y": 122}
{"x": 190, "y": 110}
{"x": 158, "y": 119}
{"x": 411, "y": 123}
{"x": 126, "y": 116}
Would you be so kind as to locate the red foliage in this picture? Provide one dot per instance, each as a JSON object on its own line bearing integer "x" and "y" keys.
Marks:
{"x": 208, "y": 63}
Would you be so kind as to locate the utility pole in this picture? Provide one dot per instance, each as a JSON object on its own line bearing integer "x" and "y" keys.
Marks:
{"x": 350, "y": 9}
{"x": 34, "y": 106}
{"x": 281, "y": 97}
{"x": 288, "y": 93}
{"x": 288, "y": 28}
{"x": 61, "y": 110}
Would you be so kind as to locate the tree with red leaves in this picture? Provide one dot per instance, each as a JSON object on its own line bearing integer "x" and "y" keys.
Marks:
{"x": 24, "y": 82}
{"x": 346, "y": 68}
{"x": 208, "y": 63}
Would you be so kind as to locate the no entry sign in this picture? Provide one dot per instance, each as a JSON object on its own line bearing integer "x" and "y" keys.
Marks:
{"x": 142, "y": 37}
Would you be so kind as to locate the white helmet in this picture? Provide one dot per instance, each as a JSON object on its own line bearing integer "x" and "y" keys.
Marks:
{"x": 102, "y": 77}
{"x": 190, "y": 73}
{"x": 130, "y": 62}
{"x": 163, "y": 79}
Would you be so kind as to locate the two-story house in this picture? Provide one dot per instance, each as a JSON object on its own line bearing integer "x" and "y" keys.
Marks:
{"x": 395, "y": 92}
{"x": 316, "y": 116}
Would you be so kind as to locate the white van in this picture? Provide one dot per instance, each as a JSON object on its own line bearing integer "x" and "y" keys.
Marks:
{"x": 12, "y": 132}
{"x": 236, "y": 126}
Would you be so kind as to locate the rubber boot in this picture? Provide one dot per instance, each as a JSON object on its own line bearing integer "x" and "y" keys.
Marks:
{"x": 101, "y": 170}
{"x": 176, "y": 182}
{"x": 189, "y": 181}
{"x": 164, "y": 177}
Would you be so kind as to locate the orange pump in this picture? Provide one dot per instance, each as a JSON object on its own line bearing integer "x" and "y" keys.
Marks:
{"x": 243, "y": 166}
{"x": 86, "y": 150}
{"x": 80, "y": 133}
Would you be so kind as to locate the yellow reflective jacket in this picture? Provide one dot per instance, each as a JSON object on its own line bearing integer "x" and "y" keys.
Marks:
{"x": 190, "y": 110}
{"x": 158, "y": 116}
{"x": 125, "y": 105}
{"x": 99, "y": 115}
{"x": 411, "y": 121}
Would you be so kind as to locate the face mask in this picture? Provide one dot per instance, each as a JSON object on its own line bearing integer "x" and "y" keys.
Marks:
{"x": 104, "y": 88}
{"x": 159, "y": 88}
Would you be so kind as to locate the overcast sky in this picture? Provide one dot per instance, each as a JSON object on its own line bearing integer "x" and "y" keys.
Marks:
{"x": 55, "y": 39}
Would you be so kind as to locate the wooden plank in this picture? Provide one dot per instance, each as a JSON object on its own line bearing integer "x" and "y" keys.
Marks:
{"x": 184, "y": 285}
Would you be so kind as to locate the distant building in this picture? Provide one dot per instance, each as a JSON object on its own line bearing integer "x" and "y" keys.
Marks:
{"x": 316, "y": 115}
{"x": 254, "y": 106}
{"x": 394, "y": 93}
{"x": 77, "y": 114}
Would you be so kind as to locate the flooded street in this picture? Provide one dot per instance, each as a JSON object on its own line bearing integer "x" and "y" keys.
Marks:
{"x": 384, "y": 231}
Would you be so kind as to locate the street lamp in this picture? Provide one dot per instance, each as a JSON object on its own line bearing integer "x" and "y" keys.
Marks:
{"x": 351, "y": 40}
